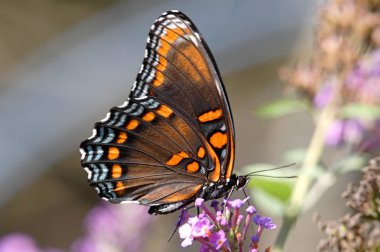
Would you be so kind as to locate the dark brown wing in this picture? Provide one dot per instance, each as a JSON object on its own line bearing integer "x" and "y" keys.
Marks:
{"x": 174, "y": 134}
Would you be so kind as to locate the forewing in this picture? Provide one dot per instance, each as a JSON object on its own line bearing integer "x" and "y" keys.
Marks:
{"x": 173, "y": 134}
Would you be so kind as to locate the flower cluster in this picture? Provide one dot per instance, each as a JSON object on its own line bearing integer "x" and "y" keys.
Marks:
{"x": 22, "y": 242}
{"x": 359, "y": 230}
{"x": 344, "y": 70}
{"x": 108, "y": 227}
{"x": 113, "y": 228}
{"x": 223, "y": 229}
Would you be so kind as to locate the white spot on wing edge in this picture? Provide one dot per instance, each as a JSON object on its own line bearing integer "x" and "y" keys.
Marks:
{"x": 170, "y": 207}
{"x": 129, "y": 202}
{"x": 83, "y": 154}
{"x": 124, "y": 104}
{"x": 93, "y": 134}
{"x": 106, "y": 118}
{"x": 89, "y": 173}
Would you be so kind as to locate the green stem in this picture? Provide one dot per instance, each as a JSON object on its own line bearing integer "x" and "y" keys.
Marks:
{"x": 313, "y": 155}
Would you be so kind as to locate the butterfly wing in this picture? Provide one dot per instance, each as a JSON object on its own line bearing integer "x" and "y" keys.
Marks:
{"x": 175, "y": 132}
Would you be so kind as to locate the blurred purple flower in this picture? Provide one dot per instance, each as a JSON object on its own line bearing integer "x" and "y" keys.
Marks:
{"x": 364, "y": 81}
{"x": 18, "y": 242}
{"x": 113, "y": 228}
{"x": 21, "y": 242}
{"x": 324, "y": 95}
{"x": 344, "y": 131}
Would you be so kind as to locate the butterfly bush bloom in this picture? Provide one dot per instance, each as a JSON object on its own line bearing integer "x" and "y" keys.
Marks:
{"x": 113, "y": 228}
{"x": 344, "y": 70}
{"x": 223, "y": 228}
{"x": 362, "y": 86}
{"x": 21, "y": 242}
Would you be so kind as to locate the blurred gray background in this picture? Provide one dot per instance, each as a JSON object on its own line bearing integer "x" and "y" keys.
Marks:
{"x": 64, "y": 63}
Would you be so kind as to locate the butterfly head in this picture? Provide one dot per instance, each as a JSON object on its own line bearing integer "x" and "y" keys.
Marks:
{"x": 240, "y": 181}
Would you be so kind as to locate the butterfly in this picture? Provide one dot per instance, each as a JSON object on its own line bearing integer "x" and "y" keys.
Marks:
{"x": 173, "y": 140}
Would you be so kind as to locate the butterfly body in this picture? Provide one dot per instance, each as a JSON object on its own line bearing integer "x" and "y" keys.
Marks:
{"x": 173, "y": 139}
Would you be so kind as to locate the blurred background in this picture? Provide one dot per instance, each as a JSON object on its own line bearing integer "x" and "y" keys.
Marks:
{"x": 64, "y": 63}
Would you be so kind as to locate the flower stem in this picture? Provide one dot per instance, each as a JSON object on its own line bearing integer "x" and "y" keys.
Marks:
{"x": 313, "y": 155}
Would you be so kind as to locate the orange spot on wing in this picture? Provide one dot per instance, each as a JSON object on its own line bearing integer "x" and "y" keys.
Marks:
{"x": 192, "y": 167}
{"x": 210, "y": 116}
{"x": 218, "y": 140}
{"x": 201, "y": 152}
{"x": 177, "y": 158}
{"x": 164, "y": 111}
{"x": 163, "y": 51}
{"x": 162, "y": 62}
{"x": 148, "y": 117}
{"x": 183, "y": 194}
{"x": 113, "y": 153}
{"x": 132, "y": 124}
{"x": 159, "y": 79}
{"x": 122, "y": 138}
{"x": 120, "y": 188}
{"x": 116, "y": 171}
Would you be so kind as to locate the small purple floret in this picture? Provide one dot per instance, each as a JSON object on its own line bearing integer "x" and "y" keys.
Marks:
{"x": 251, "y": 210}
{"x": 218, "y": 239}
{"x": 264, "y": 222}
{"x": 199, "y": 202}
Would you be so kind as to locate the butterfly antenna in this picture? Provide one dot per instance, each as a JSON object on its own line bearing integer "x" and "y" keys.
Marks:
{"x": 269, "y": 176}
{"x": 271, "y": 169}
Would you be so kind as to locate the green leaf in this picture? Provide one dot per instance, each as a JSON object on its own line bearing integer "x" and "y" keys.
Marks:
{"x": 270, "y": 194}
{"x": 352, "y": 163}
{"x": 271, "y": 205}
{"x": 361, "y": 111}
{"x": 280, "y": 108}
{"x": 279, "y": 189}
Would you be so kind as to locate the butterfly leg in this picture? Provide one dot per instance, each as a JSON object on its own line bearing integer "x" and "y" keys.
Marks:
{"x": 227, "y": 198}
{"x": 179, "y": 222}
{"x": 246, "y": 196}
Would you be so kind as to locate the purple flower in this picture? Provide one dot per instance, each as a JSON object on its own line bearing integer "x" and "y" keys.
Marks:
{"x": 264, "y": 222}
{"x": 185, "y": 232}
{"x": 237, "y": 203}
{"x": 201, "y": 226}
{"x": 344, "y": 131}
{"x": 324, "y": 95}
{"x": 221, "y": 218}
{"x": 210, "y": 228}
{"x": 251, "y": 210}
{"x": 21, "y": 242}
{"x": 364, "y": 81}
{"x": 255, "y": 238}
{"x": 218, "y": 239}
{"x": 199, "y": 202}
{"x": 18, "y": 242}
{"x": 204, "y": 248}
{"x": 113, "y": 228}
